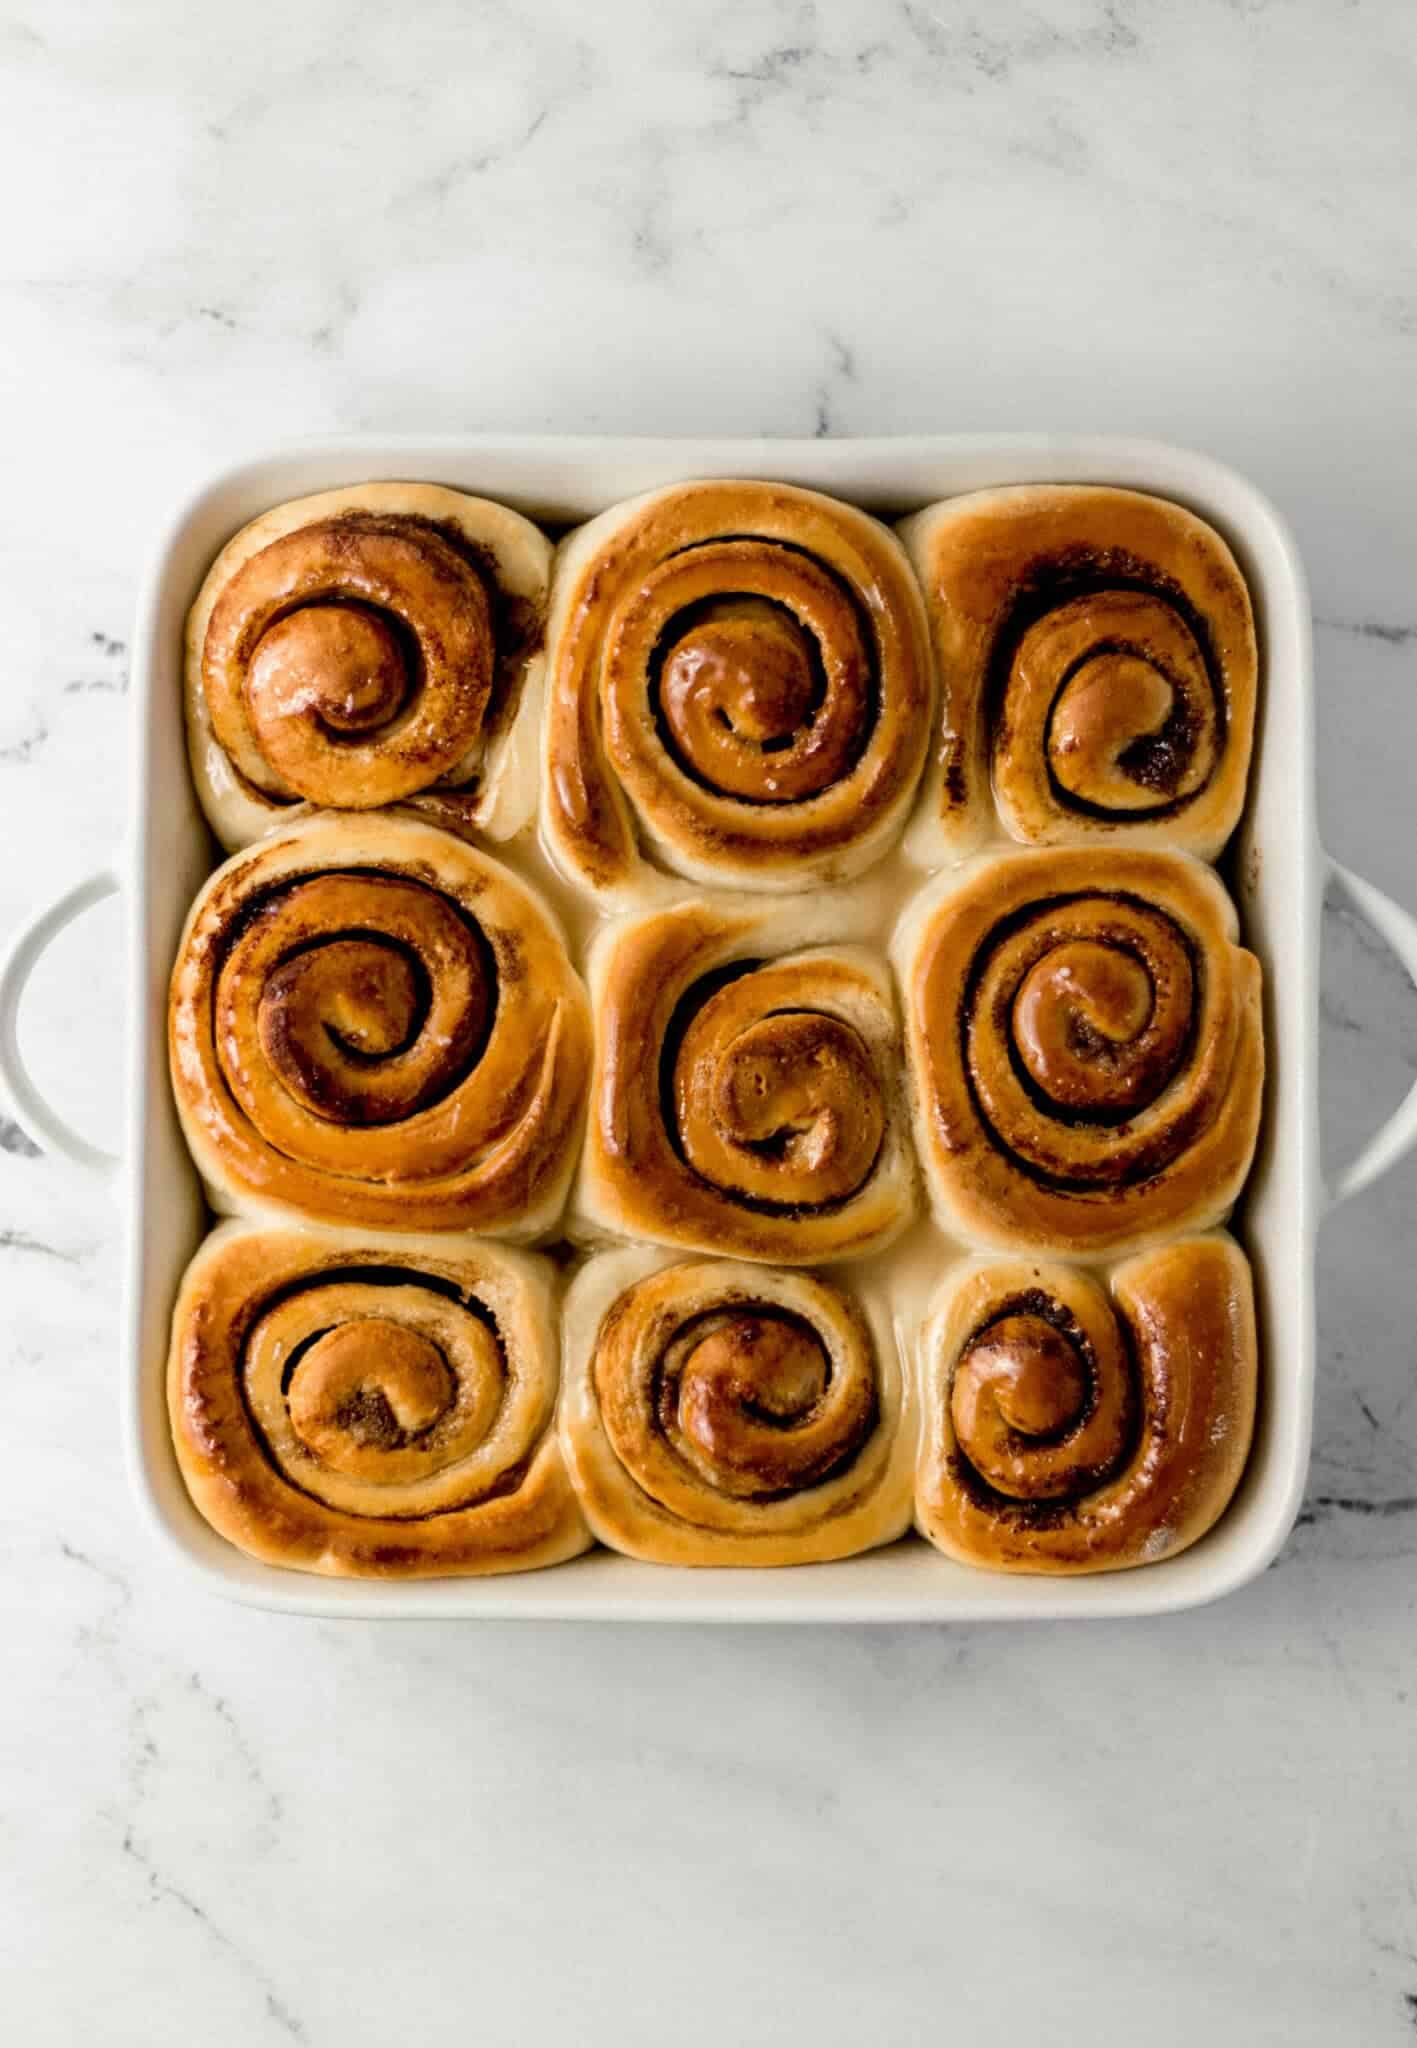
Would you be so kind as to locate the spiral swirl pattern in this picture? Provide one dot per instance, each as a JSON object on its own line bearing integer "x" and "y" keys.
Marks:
{"x": 716, "y": 1413}
{"x": 747, "y": 1093}
{"x": 1098, "y": 656}
{"x": 363, "y": 648}
{"x": 740, "y": 691}
{"x": 1069, "y": 1432}
{"x": 1085, "y": 1044}
{"x": 366, "y": 1406}
{"x": 379, "y": 1025}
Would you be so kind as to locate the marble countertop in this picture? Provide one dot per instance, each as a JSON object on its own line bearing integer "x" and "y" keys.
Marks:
{"x": 241, "y": 225}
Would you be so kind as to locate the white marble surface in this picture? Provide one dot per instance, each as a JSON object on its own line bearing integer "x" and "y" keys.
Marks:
{"x": 233, "y": 225}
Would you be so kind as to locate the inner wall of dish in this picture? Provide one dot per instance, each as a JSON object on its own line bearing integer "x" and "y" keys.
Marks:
{"x": 1274, "y": 849}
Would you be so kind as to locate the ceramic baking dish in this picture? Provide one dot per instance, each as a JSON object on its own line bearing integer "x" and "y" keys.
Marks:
{"x": 1275, "y": 867}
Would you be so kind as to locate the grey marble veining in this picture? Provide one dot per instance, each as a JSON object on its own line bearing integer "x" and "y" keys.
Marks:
{"x": 232, "y": 226}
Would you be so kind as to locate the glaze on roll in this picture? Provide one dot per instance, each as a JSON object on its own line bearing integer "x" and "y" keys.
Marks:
{"x": 1085, "y": 1048}
{"x": 1098, "y": 670}
{"x": 1072, "y": 1427}
{"x": 366, "y": 647}
{"x": 716, "y": 1413}
{"x": 372, "y": 1022}
{"x": 739, "y": 692}
{"x": 372, "y": 1407}
{"x": 748, "y": 1095}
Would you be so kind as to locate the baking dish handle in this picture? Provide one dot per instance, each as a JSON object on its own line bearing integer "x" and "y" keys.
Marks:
{"x": 32, "y": 1112}
{"x": 1399, "y": 1133}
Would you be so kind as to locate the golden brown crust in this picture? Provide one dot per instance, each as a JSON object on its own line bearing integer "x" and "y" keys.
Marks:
{"x": 364, "y": 647}
{"x": 1067, "y": 1432}
{"x": 373, "y": 1022}
{"x": 715, "y": 1413}
{"x": 1098, "y": 668}
{"x": 1085, "y": 1047}
{"x": 739, "y": 689}
{"x": 371, "y": 1407}
{"x": 748, "y": 1095}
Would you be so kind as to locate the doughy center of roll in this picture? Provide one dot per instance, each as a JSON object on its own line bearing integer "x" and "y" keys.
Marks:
{"x": 1098, "y": 716}
{"x": 740, "y": 684}
{"x": 1076, "y": 1011}
{"x": 784, "y": 1106}
{"x": 804, "y": 1084}
{"x": 340, "y": 662}
{"x": 368, "y": 1387}
{"x": 363, "y": 1026}
{"x": 1031, "y": 1373}
{"x": 361, "y": 992}
{"x": 748, "y": 1399}
{"x": 387, "y": 1397}
{"x": 751, "y": 661}
{"x": 1115, "y": 688}
{"x": 1036, "y": 1415}
{"x": 1097, "y": 1039}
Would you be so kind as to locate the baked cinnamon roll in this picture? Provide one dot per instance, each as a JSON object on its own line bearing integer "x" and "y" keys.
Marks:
{"x": 739, "y": 692}
{"x": 372, "y": 1407}
{"x": 367, "y": 647}
{"x": 1098, "y": 670}
{"x": 1072, "y": 1427}
{"x": 748, "y": 1095}
{"x": 1085, "y": 1048}
{"x": 372, "y": 1022}
{"x": 715, "y": 1413}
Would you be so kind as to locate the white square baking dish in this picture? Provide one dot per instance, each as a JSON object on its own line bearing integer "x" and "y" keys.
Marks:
{"x": 1275, "y": 868}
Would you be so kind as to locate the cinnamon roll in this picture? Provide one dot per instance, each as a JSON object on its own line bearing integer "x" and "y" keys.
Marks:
{"x": 1085, "y": 1048}
{"x": 1098, "y": 668}
{"x": 748, "y": 1094}
{"x": 366, "y": 647}
{"x": 372, "y": 1407}
{"x": 715, "y": 1413}
{"x": 372, "y": 1022}
{"x": 1070, "y": 1427}
{"x": 739, "y": 691}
